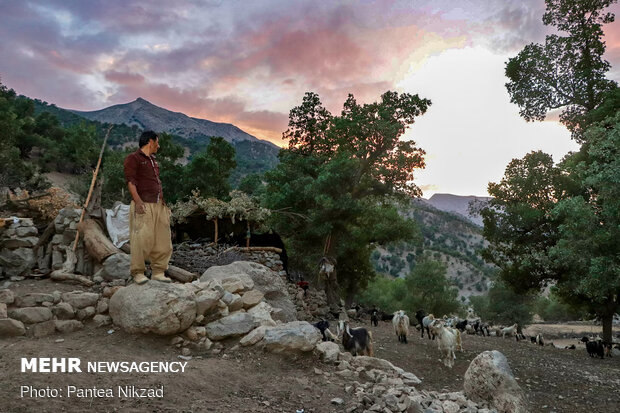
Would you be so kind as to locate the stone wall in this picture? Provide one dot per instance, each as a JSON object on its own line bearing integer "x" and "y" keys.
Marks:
{"x": 42, "y": 314}
{"x": 18, "y": 237}
{"x": 20, "y": 256}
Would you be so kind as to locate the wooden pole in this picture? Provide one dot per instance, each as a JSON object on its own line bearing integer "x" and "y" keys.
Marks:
{"x": 92, "y": 184}
{"x": 215, "y": 240}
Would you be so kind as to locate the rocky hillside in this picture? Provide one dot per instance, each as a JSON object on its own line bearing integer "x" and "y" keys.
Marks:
{"x": 447, "y": 237}
{"x": 253, "y": 155}
{"x": 457, "y": 204}
{"x": 145, "y": 115}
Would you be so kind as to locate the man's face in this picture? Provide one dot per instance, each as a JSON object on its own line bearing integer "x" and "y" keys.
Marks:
{"x": 154, "y": 145}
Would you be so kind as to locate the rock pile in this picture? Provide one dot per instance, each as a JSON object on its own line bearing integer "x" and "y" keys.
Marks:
{"x": 42, "y": 314}
{"x": 310, "y": 304}
{"x": 257, "y": 276}
{"x": 376, "y": 385}
{"x": 198, "y": 258}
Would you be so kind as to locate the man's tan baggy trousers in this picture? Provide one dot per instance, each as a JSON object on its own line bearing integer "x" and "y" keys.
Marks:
{"x": 149, "y": 238}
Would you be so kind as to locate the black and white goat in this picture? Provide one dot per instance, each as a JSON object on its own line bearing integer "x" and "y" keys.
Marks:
{"x": 426, "y": 322}
{"x": 374, "y": 317}
{"x": 356, "y": 340}
{"x": 595, "y": 348}
{"x": 323, "y": 327}
{"x": 598, "y": 348}
{"x": 401, "y": 325}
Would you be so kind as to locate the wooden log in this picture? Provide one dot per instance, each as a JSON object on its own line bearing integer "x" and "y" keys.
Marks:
{"x": 66, "y": 272}
{"x": 180, "y": 274}
{"x": 98, "y": 245}
{"x": 267, "y": 249}
{"x": 59, "y": 275}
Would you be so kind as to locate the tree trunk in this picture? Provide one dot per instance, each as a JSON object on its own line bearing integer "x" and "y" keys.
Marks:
{"x": 607, "y": 320}
{"x": 98, "y": 245}
{"x": 332, "y": 290}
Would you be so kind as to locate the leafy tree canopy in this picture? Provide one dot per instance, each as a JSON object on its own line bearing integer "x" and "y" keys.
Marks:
{"x": 209, "y": 171}
{"x": 566, "y": 72}
{"x": 337, "y": 183}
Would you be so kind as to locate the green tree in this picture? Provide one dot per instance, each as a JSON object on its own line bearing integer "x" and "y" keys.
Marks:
{"x": 381, "y": 293}
{"x": 567, "y": 71}
{"x": 532, "y": 244}
{"x": 16, "y": 123}
{"x": 342, "y": 173}
{"x": 587, "y": 254}
{"x": 428, "y": 287}
{"x": 503, "y": 305}
{"x": 518, "y": 224}
{"x": 210, "y": 170}
{"x": 252, "y": 184}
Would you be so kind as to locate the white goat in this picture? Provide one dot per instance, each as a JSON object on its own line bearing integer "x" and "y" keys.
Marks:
{"x": 511, "y": 331}
{"x": 457, "y": 333}
{"x": 401, "y": 325}
{"x": 446, "y": 342}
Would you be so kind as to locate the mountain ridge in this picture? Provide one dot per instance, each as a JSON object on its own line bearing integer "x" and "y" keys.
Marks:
{"x": 146, "y": 115}
{"x": 457, "y": 204}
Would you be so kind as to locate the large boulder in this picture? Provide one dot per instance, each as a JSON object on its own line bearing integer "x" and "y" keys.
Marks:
{"x": 10, "y": 328}
{"x": 291, "y": 337}
{"x": 328, "y": 351}
{"x": 116, "y": 266}
{"x": 227, "y": 275}
{"x": 18, "y": 261}
{"x": 235, "y": 324}
{"x": 154, "y": 307}
{"x": 262, "y": 279}
{"x": 490, "y": 379}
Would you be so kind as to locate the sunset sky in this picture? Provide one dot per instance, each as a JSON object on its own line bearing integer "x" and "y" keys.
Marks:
{"x": 249, "y": 62}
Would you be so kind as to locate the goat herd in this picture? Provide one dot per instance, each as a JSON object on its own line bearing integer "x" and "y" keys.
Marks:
{"x": 447, "y": 331}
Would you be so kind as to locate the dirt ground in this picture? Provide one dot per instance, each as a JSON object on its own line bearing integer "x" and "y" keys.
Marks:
{"x": 249, "y": 380}
{"x": 554, "y": 379}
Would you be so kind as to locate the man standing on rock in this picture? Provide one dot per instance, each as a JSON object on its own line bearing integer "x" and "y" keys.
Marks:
{"x": 149, "y": 217}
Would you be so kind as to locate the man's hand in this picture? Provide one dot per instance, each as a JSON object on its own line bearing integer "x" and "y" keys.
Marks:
{"x": 140, "y": 207}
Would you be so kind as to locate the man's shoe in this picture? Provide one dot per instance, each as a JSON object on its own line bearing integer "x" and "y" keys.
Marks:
{"x": 140, "y": 279}
{"x": 161, "y": 277}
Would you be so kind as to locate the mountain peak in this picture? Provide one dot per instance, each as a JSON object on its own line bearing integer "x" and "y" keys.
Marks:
{"x": 148, "y": 116}
{"x": 458, "y": 204}
{"x": 142, "y": 101}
